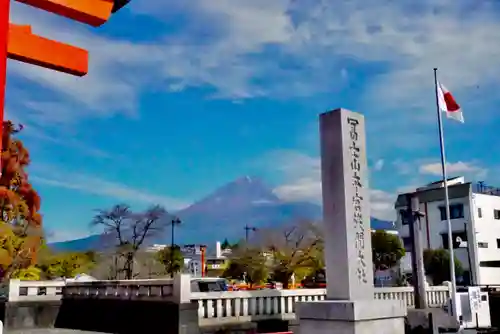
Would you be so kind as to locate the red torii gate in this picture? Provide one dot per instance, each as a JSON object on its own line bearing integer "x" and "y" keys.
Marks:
{"x": 19, "y": 43}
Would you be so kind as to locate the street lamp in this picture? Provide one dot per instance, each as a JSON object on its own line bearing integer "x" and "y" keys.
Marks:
{"x": 175, "y": 221}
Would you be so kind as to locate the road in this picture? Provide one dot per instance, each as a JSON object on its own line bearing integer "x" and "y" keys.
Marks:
{"x": 49, "y": 331}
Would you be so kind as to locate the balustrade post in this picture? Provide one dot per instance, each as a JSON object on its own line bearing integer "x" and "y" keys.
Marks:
{"x": 14, "y": 290}
{"x": 450, "y": 288}
{"x": 182, "y": 288}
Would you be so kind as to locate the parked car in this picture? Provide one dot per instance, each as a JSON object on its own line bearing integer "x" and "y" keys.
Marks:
{"x": 209, "y": 284}
{"x": 317, "y": 281}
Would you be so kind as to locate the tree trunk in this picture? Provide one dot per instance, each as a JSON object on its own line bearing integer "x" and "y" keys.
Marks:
{"x": 284, "y": 278}
{"x": 129, "y": 266}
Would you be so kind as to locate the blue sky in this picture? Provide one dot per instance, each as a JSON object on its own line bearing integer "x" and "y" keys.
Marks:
{"x": 184, "y": 96}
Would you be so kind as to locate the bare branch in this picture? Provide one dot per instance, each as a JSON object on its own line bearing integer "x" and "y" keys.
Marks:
{"x": 130, "y": 230}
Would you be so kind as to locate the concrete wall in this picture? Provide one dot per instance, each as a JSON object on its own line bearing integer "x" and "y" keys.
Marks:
{"x": 27, "y": 315}
{"x": 108, "y": 316}
{"x": 261, "y": 327}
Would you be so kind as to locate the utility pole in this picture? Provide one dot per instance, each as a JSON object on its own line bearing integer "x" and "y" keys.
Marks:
{"x": 175, "y": 221}
{"x": 413, "y": 216}
{"x": 247, "y": 231}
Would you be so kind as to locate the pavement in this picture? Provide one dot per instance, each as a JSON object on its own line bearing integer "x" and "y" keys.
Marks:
{"x": 49, "y": 331}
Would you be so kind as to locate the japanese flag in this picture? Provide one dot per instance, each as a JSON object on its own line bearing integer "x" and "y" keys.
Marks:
{"x": 448, "y": 104}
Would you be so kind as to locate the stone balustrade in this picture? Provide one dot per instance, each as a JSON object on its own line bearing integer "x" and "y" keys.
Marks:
{"x": 246, "y": 306}
{"x": 213, "y": 307}
{"x": 132, "y": 289}
{"x": 18, "y": 290}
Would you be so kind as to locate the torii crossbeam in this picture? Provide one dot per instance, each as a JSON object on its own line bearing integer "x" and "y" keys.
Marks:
{"x": 17, "y": 42}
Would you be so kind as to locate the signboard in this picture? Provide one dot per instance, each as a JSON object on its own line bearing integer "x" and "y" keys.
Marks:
{"x": 188, "y": 250}
{"x": 194, "y": 268}
{"x": 474, "y": 298}
{"x": 217, "y": 264}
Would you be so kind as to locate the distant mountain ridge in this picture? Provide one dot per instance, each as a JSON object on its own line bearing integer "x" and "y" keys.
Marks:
{"x": 224, "y": 214}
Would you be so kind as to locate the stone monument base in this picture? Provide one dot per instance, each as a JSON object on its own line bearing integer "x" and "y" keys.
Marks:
{"x": 351, "y": 317}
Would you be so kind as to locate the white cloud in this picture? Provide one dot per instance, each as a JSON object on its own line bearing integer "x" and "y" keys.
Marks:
{"x": 304, "y": 189}
{"x": 379, "y": 164}
{"x": 284, "y": 49}
{"x": 302, "y": 183}
{"x": 382, "y": 204}
{"x": 96, "y": 186}
{"x": 408, "y": 38}
{"x": 294, "y": 47}
{"x": 403, "y": 167}
{"x": 59, "y": 235}
{"x": 459, "y": 168}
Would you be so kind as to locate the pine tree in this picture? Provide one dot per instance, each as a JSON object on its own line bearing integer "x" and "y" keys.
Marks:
{"x": 20, "y": 220}
{"x": 225, "y": 244}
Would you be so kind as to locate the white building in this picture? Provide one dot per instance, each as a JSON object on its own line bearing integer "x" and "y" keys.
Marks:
{"x": 475, "y": 219}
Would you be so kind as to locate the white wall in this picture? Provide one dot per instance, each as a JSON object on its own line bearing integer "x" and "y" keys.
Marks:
{"x": 486, "y": 228}
{"x": 433, "y": 227}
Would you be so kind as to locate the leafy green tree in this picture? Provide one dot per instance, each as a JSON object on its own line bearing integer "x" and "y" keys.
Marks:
{"x": 171, "y": 258}
{"x": 437, "y": 265}
{"x": 65, "y": 265}
{"x": 387, "y": 250}
{"x": 249, "y": 264}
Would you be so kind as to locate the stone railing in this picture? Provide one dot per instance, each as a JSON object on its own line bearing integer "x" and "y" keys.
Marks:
{"x": 34, "y": 290}
{"x": 437, "y": 296}
{"x": 165, "y": 289}
{"x": 246, "y": 306}
{"x": 132, "y": 289}
{"x": 213, "y": 307}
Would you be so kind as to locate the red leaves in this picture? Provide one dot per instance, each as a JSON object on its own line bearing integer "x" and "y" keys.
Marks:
{"x": 19, "y": 204}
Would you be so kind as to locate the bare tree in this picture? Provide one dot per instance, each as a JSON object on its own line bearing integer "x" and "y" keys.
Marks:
{"x": 292, "y": 247}
{"x": 127, "y": 231}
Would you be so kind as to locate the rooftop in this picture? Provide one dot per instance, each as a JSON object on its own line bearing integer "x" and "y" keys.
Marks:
{"x": 482, "y": 188}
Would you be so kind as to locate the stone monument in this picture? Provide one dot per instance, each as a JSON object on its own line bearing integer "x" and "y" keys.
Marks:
{"x": 350, "y": 306}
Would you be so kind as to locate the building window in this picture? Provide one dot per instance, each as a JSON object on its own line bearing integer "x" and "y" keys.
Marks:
{"x": 454, "y": 236}
{"x": 479, "y": 213}
{"x": 496, "y": 214}
{"x": 403, "y": 214}
{"x": 407, "y": 243}
{"x": 498, "y": 243}
{"x": 490, "y": 264}
{"x": 456, "y": 211}
{"x": 483, "y": 244}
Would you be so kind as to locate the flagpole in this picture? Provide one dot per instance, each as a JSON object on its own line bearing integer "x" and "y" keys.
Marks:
{"x": 446, "y": 202}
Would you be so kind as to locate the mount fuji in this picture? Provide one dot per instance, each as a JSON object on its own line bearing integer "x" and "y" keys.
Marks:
{"x": 224, "y": 214}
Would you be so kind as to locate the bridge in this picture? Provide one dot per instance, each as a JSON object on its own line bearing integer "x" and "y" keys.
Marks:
{"x": 41, "y": 303}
